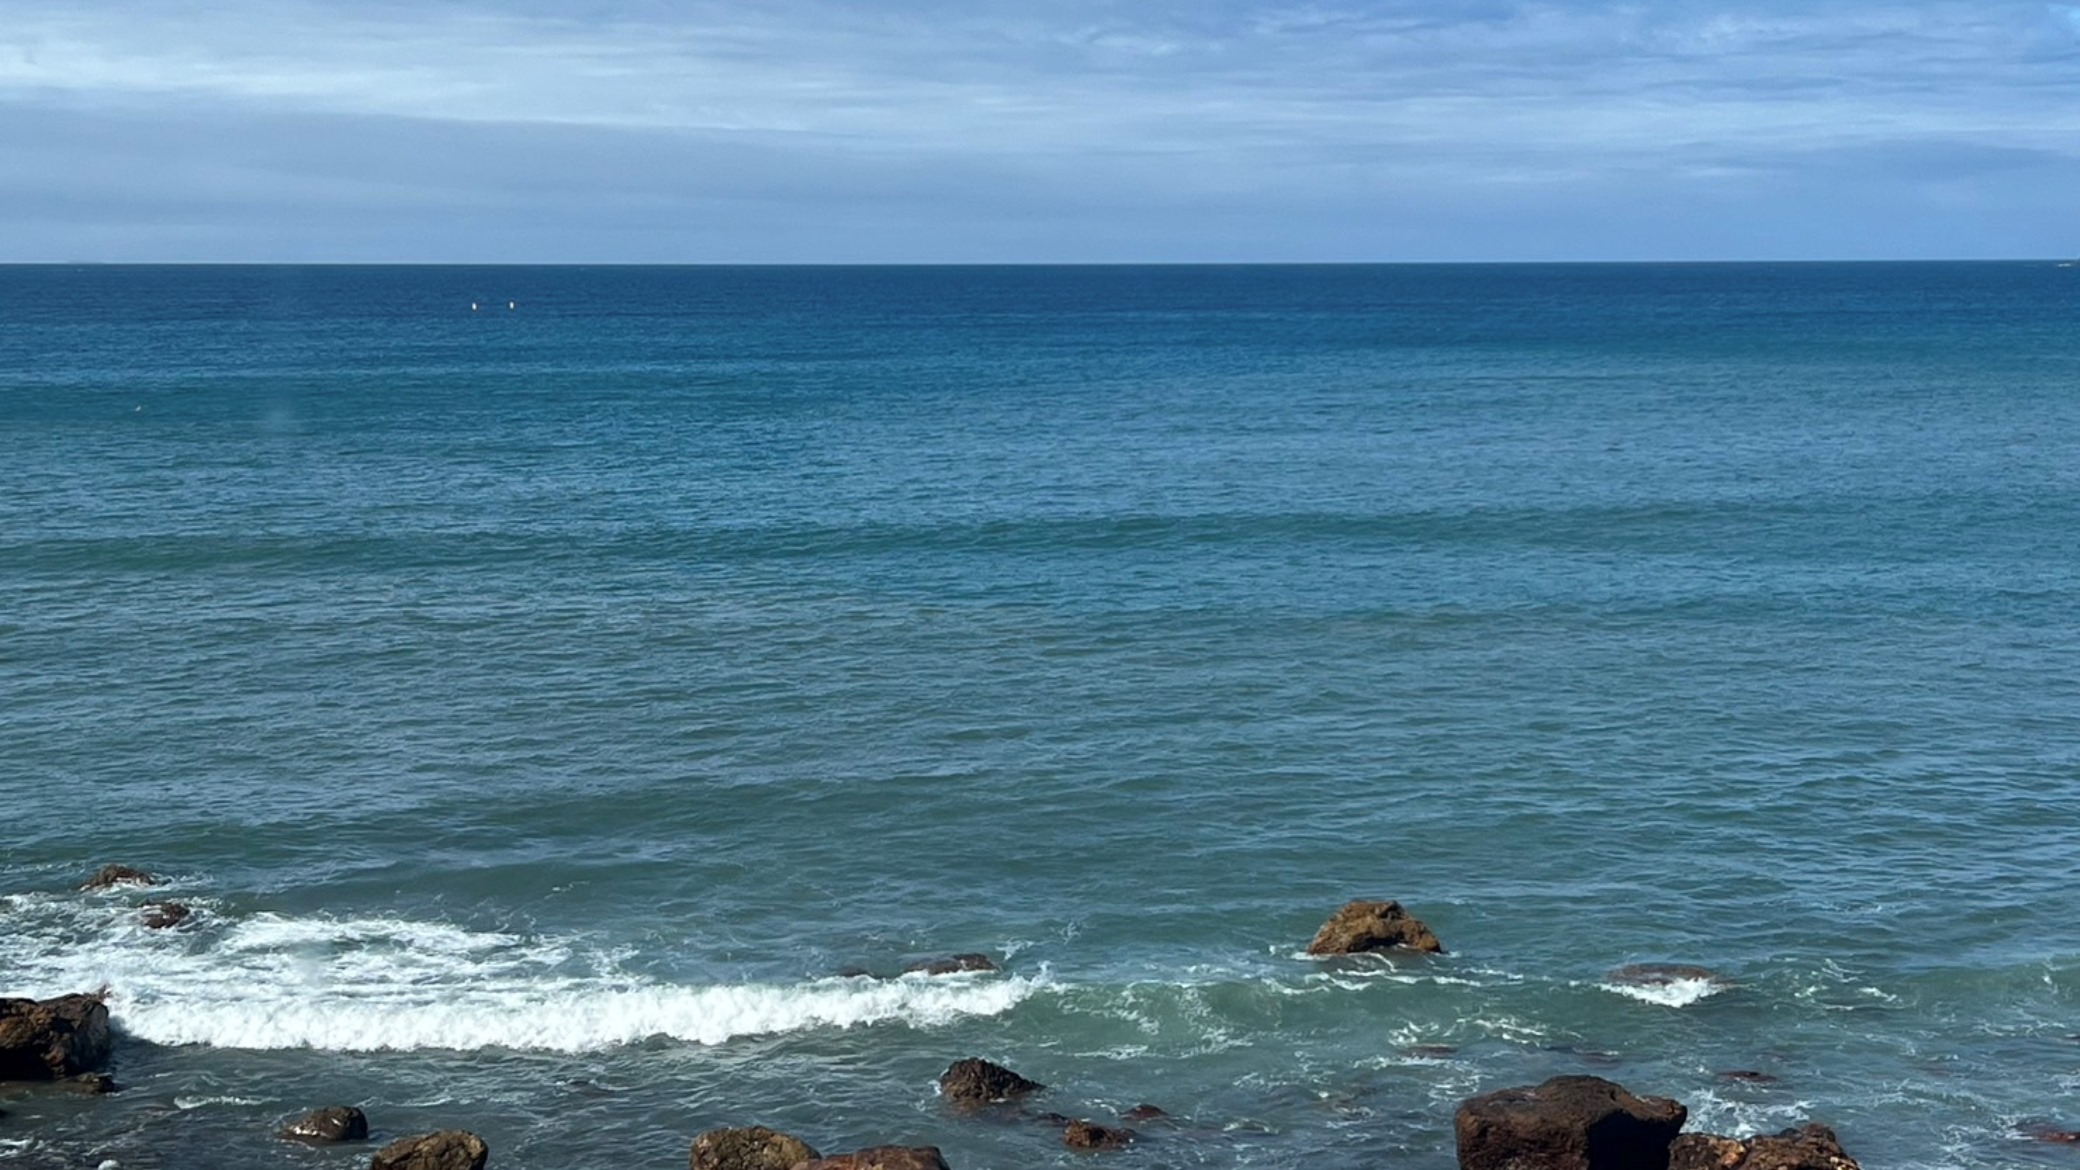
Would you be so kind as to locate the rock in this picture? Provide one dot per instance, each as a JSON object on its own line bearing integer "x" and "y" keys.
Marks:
{"x": 1432, "y": 1051}
{"x": 92, "y": 1084}
{"x": 449, "y": 1149}
{"x": 1747, "y": 1076}
{"x": 854, "y": 973}
{"x": 160, "y": 915}
{"x": 1372, "y": 926}
{"x": 1567, "y": 1123}
{"x": 2056, "y": 1137}
{"x": 51, "y": 1039}
{"x": 1082, "y": 1135}
{"x": 1663, "y": 974}
{"x": 750, "y": 1148}
{"x": 1811, "y": 1147}
{"x": 1143, "y": 1112}
{"x": 334, "y": 1123}
{"x": 118, "y": 875}
{"x": 952, "y": 964}
{"x": 978, "y": 1082}
{"x": 882, "y": 1158}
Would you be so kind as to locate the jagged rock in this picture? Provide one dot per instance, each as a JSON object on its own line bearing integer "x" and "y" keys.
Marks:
{"x": 978, "y": 1082}
{"x": 1144, "y": 1112}
{"x": 1372, "y": 926}
{"x": 160, "y": 915}
{"x": 449, "y": 1149}
{"x": 952, "y": 964}
{"x": 1663, "y": 974}
{"x": 1567, "y": 1123}
{"x": 1811, "y": 1147}
{"x": 334, "y": 1123}
{"x": 1082, "y": 1135}
{"x": 749, "y": 1148}
{"x": 51, "y": 1039}
{"x": 118, "y": 875}
{"x": 882, "y": 1158}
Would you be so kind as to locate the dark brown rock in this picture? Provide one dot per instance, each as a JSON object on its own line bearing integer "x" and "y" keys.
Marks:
{"x": 1143, "y": 1112}
{"x": 1811, "y": 1147}
{"x": 752, "y": 1147}
{"x": 449, "y": 1149}
{"x": 91, "y": 1084}
{"x": 978, "y": 1082}
{"x": 1567, "y": 1123}
{"x": 51, "y": 1039}
{"x": 334, "y": 1123}
{"x": 118, "y": 875}
{"x": 160, "y": 915}
{"x": 1748, "y": 1076}
{"x": 1372, "y": 926}
{"x": 952, "y": 964}
{"x": 1082, "y": 1135}
{"x": 882, "y": 1158}
{"x": 1662, "y": 974}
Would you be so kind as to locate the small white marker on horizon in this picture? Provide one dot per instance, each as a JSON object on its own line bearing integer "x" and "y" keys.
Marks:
{"x": 473, "y": 306}
{"x": 512, "y": 304}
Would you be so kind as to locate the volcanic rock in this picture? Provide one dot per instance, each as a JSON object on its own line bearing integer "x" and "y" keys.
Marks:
{"x": 1567, "y": 1123}
{"x": 118, "y": 875}
{"x": 882, "y": 1158}
{"x": 1372, "y": 926}
{"x": 978, "y": 1082}
{"x": 1082, "y": 1135}
{"x": 449, "y": 1149}
{"x": 334, "y": 1123}
{"x": 1811, "y": 1147}
{"x": 952, "y": 964}
{"x": 752, "y": 1147}
{"x": 51, "y": 1039}
{"x": 160, "y": 915}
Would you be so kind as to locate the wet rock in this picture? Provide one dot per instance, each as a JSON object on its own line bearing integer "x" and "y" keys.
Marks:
{"x": 91, "y": 1084}
{"x": 854, "y": 973}
{"x": 882, "y": 1158}
{"x": 952, "y": 964}
{"x": 334, "y": 1123}
{"x": 1143, "y": 1112}
{"x": 1567, "y": 1123}
{"x": 51, "y": 1039}
{"x": 752, "y": 1147}
{"x": 1811, "y": 1147}
{"x": 2051, "y": 1135}
{"x": 449, "y": 1149}
{"x": 1372, "y": 926}
{"x": 1082, "y": 1135}
{"x": 118, "y": 875}
{"x": 978, "y": 1082}
{"x": 160, "y": 915}
{"x": 1432, "y": 1051}
{"x": 1747, "y": 1076}
{"x": 1662, "y": 974}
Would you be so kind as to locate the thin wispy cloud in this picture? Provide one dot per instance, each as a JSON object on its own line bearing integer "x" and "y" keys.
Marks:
{"x": 1082, "y": 131}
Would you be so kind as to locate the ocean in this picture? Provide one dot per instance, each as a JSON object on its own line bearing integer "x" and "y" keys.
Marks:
{"x": 543, "y": 682}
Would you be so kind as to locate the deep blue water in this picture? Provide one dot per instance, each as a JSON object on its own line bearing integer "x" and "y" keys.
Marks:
{"x": 540, "y": 703}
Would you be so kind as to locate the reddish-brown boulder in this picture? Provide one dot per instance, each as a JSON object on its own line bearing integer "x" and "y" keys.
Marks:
{"x": 882, "y": 1158}
{"x": 1372, "y": 926}
{"x": 1082, "y": 1135}
{"x": 752, "y": 1147}
{"x": 449, "y": 1149}
{"x": 1567, "y": 1123}
{"x": 978, "y": 1082}
{"x": 117, "y": 875}
{"x": 334, "y": 1123}
{"x": 1811, "y": 1147}
{"x": 50, "y": 1039}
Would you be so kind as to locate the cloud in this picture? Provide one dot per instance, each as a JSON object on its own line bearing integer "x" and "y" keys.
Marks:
{"x": 1056, "y": 124}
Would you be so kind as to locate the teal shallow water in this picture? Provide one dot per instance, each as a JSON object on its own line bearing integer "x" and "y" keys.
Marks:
{"x": 540, "y": 704}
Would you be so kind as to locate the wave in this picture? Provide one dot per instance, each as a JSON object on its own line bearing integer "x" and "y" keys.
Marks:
{"x": 270, "y": 981}
{"x": 1672, "y": 993}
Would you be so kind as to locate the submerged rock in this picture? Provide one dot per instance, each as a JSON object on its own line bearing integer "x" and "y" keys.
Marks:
{"x": 1663, "y": 974}
{"x": 952, "y": 965}
{"x": 52, "y": 1039}
{"x": 1747, "y": 1076}
{"x": 160, "y": 915}
{"x": 334, "y": 1123}
{"x": 1082, "y": 1135}
{"x": 978, "y": 1082}
{"x": 752, "y": 1147}
{"x": 1810, "y": 1147}
{"x": 1144, "y": 1112}
{"x": 118, "y": 875}
{"x": 1567, "y": 1123}
{"x": 882, "y": 1158}
{"x": 1373, "y": 926}
{"x": 448, "y": 1149}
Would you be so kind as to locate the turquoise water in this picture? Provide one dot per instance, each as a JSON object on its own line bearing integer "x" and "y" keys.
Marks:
{"x": 540, "y": 704}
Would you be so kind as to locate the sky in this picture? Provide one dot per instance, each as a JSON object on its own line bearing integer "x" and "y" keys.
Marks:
{"x": 916, "y": 131}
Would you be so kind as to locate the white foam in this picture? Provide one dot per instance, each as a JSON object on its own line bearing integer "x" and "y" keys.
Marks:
{"x": 271, "y": 981}
{"x": 1674, "y": 993}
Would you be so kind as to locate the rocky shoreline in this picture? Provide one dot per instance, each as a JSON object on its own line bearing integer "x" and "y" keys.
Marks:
{"x": 1564, "y": 1123}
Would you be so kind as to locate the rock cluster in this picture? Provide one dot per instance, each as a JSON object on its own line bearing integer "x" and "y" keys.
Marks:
{"x": 1811, "y": 1147}
{"x": 1588, "y": 1123}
